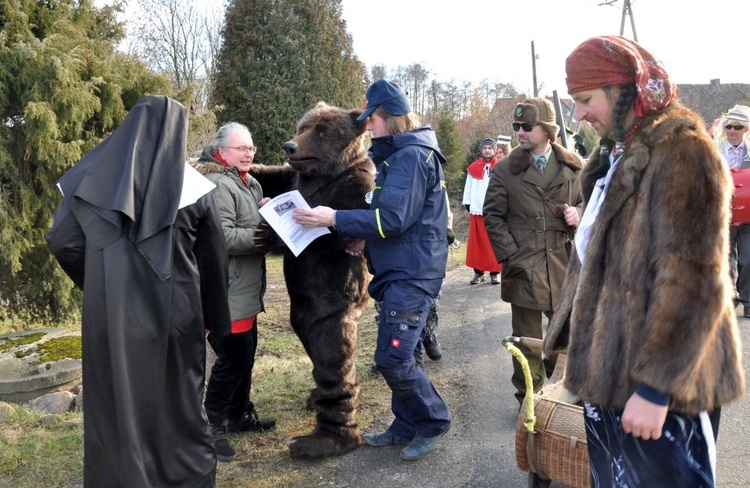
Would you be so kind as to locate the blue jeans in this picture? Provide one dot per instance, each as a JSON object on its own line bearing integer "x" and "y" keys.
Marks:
{"x": 417, "y": 406}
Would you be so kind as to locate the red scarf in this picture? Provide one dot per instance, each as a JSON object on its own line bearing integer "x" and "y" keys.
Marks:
{"x": 243, "y": 174}
{"x": 476, "y": 169}
{"x": 612, "y": 60}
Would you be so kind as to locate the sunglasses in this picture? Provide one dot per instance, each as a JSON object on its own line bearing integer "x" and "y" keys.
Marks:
{"x": 525, "y": 126}
{"x": 735, "y": 127}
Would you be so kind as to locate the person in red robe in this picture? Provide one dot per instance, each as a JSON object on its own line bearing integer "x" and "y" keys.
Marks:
{"x": 479, "y": 253}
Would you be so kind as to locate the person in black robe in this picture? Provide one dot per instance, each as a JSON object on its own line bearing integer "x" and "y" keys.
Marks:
{"x": 139, "y": 232}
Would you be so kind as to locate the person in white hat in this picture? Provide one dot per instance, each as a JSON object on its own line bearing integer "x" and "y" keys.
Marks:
{"x": 731, "y": 137}
{"x": 503, "y": 146}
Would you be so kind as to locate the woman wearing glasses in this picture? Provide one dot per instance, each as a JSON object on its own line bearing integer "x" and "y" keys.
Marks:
{"x": 228, "y": 405}
{"x": 731, "y": 137}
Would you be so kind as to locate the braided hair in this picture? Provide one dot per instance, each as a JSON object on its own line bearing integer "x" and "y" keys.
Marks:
{"x": 628, "y": 94}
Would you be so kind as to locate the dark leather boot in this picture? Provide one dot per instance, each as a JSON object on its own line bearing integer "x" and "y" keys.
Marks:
{"x": 432, "y": 347}
{"x": 478, "y": 278}
{"x": 249, "y": 421}
{"x": 224, "y": 450}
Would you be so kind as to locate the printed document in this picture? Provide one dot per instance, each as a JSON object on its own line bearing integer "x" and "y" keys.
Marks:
{"x": 278, "y": 213}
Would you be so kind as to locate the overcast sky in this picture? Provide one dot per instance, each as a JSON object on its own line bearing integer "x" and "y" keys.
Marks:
{"x": 471, "y": 40}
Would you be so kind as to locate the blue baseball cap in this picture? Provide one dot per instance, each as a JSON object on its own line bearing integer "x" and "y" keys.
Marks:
{"x": 387, "y": 94}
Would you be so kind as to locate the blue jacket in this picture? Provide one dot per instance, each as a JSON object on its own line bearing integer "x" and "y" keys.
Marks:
{"x": 405, "y": 227}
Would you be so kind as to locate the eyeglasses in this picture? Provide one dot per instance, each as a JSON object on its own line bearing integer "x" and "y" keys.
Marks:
{"x": 525, "y": 126}
{"x": 251, "y": 149}
{"x": 735, "y": 127}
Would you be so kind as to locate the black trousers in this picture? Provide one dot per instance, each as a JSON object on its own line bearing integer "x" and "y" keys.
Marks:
{"x": 228, "y": 391}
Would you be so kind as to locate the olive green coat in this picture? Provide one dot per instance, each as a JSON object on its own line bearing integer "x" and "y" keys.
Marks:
{"x": 526, "y": 236}
{"x": 239, "y": 208}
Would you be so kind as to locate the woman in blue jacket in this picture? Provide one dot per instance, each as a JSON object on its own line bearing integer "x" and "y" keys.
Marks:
{"x": 405, "y": 231}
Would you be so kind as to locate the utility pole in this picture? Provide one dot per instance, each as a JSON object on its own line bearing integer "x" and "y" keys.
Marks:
{"x": 533, "y": 69}
{"x": 627, "y": 9}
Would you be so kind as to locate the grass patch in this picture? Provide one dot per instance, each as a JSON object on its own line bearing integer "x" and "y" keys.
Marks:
{"x": 39, "y": 451}
{"x": 21, "y": 340}
{"x": 59, "y": 348}
{"x": 10, "y": 324}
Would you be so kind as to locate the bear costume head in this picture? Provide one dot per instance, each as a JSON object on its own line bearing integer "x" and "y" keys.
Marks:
{"x": 327, "y": 134}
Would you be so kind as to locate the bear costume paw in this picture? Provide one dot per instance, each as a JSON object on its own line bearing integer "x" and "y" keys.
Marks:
{"x": 266, "y": 240}
{"x": 317, "y": 445}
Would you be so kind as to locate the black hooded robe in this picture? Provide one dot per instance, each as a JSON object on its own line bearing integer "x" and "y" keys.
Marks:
{"x": 152, "y": 266}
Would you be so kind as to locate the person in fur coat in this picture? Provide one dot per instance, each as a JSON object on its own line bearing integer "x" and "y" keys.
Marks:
{"x": 646, "y": 311}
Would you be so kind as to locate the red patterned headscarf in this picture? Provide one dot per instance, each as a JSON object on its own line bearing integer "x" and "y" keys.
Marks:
{"x": 611, "y": 60}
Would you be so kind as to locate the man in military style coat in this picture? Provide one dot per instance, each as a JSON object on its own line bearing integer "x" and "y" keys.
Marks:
{"x": 531, "y": 209}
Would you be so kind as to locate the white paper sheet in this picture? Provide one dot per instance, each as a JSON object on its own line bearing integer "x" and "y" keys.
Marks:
{"x": 278, "y": 213}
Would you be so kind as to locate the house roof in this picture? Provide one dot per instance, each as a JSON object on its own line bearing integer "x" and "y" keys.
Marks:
{"x": 713, "y": 99}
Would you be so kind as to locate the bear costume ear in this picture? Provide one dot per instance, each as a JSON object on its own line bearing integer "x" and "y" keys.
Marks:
{"x": 361, "y": 125}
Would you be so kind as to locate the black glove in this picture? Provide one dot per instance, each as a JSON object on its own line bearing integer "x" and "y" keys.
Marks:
{"x": 467, "y": 208}
{"x": 451, "y": 236}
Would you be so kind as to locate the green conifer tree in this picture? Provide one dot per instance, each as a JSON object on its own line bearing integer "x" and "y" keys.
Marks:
{"x": 63, "y": 88}
{"x": 450, "y": 146}
{"x": 278, "y": 59}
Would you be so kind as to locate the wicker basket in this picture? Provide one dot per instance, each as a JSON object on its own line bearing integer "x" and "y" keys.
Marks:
{"x": 557, "y": 449}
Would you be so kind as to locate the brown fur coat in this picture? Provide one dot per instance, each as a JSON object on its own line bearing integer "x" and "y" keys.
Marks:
{"x": 653, "y": 302}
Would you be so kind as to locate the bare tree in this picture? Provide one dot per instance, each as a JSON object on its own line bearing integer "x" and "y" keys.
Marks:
{"x": 178, "y": 39}
{"x": 378, "y": 71}
{"x": 418, "y": 81}
{"x": 478, "y": 110}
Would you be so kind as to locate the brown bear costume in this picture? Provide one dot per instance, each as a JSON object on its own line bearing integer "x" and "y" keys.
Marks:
{"x": 328, "y": 164}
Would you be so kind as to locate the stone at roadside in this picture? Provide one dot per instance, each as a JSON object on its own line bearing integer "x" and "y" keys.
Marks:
{"x": 58, "y": 402}
{"x": 5, "y": 410}
{"x": 38, "y": 361}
